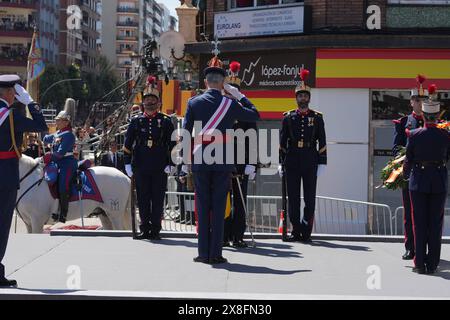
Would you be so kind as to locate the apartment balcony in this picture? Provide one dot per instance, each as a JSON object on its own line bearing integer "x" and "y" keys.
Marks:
{"x": 133, "y": 24}
{"x": 126, "y": 52}
{"x": 25, "y": 4}
{"x": 128, "y": 10}
{"x": 16, "y": 29}
{"x": 128, "y": 38}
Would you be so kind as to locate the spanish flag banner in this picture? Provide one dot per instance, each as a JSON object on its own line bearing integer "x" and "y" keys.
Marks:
{"x": 381, "y": 68}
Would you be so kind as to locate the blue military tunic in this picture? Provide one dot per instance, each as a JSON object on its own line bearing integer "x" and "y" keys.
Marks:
{"x": 9, "y": 164}
{"x": 302, "y": 149}
{"x": 212, "y": 181}
{"x": 402, "y": 128}
{"x": 148, "y": 146}
{"x": 425, "y": 165}
{"x": 62, "y": 146}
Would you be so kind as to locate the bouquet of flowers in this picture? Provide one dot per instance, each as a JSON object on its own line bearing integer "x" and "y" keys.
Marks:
{"x": 392, "y": 175}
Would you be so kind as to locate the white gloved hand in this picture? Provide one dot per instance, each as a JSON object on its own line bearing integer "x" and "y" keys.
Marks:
{"x": 280, "y": 171}
{"x": 169, "y": 170}
{"x": 233, "y": 91}
{"x": 22, "y": 95}
{"x": 252, "y": 176}
{"x": 129, "y": 170}
{"x": 39, "y": 160}
{"x": 321, "y": 169}
{"x": 185, "y": 169}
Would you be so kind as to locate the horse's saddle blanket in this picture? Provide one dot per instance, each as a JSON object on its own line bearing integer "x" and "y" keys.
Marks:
{"x": 89, "y": 189}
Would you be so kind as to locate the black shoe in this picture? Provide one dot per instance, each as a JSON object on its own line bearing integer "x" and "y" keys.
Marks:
{"x": 409, "y": 255}
{"x": 293, "y": 238}
{"x": 218, "y": 260}
{"x": 8, "y": 283}
{"x": 143, "y": 236}
{"x": 430, "y": 270}
{"x": 55, "y": 217}
{"x": 419, "y": 270}
{"x": 201, "y": 260}
{"x": 306, "y": 239}
{"x": 240, "y": 244}
{"x": 155, "y": 236}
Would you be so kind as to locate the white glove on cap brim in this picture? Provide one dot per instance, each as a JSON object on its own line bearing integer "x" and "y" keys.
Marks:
{"x": 22, "y": 95}
{"x": 233, "y": 91}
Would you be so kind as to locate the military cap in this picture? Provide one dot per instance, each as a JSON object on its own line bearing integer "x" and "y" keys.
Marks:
{"x": 151, "y": 89}
{"x": 302, "y": 87}
{"x": 9, "y": 80}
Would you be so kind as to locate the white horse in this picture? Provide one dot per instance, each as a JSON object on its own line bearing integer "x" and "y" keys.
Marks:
{"x": 37, "y": 205}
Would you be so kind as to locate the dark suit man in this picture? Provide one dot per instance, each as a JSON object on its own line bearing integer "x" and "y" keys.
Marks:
{"x": 214, "y": 113}
{"x": 113, "y": 158}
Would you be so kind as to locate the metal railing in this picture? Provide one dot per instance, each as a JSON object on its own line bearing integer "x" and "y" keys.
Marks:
{"x": 399, "y": 228}
{"x": 332, "y": 216}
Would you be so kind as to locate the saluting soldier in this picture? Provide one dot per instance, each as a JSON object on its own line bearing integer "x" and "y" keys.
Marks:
{"x": 402, "y": 127}
{"x": 147, "y": 155}
{"x": 12, "y": 126}
{"x": 216, "y": 113}
{"x": 426, "y": 166}
{"x": 303, "y": 157}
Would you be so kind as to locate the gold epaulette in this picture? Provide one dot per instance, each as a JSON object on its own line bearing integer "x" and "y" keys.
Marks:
{"x": 289, "y": 112}
{"x": 317, "y": 113}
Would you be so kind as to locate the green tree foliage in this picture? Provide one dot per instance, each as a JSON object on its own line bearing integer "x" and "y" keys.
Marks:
{"x": 94, "y": 85}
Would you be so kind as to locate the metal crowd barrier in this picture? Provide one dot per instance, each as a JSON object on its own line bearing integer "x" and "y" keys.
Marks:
{"x": 333, "y": 215}
{"x": 399, "y": 226}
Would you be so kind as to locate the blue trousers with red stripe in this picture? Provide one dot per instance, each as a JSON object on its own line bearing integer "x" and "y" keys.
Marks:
{"x": 7, "y": 201}
{"x": 407, "y": 220}
{"x": 67, "y": 170}
{"x": 428, "y": 219}
{"x": 211, "y": 188}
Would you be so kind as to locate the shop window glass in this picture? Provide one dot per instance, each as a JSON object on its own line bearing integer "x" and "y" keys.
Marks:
{"x": 390, "y": 105}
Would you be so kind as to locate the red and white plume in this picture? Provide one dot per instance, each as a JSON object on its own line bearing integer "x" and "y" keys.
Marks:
{"x": 235, "y": 67}
{"x": 432, "y": 89}
{"x": 304, "y": 74}
{"x": 151, "y": 81}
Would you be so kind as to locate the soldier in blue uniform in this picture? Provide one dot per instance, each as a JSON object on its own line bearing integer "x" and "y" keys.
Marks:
{"x": 425, "y": 165}
{"x": 62, "y": 145}
{"x": 303, "y": 157}
{"x": 216, "y": 112}
{"x": 235, "y": 225}
{"x": 12, "y": 127}
{"x": 147, "y": 155}
{"x": 402, "y": 127}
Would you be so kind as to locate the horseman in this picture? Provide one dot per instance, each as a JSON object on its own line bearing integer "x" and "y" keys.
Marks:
{"x": 62, "y": 145}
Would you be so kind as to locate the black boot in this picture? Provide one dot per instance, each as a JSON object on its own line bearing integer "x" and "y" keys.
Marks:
{"x": 145, "y": 232}
{"x": 64, "y": 207}
{"x": 409, "y": 255}
{"x": 5, "y": 283}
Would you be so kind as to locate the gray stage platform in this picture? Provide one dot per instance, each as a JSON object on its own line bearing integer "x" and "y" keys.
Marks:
{"x": 118, "y": 267}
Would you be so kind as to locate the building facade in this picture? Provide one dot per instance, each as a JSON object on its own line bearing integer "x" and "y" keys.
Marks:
{"x": 17, "y": 21}
{"x": 49, "y": 30}
{"x": 132, "y": 22}
{"x": 79, "y": 44}
{"x": 363, "y": 57}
